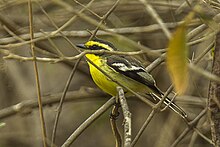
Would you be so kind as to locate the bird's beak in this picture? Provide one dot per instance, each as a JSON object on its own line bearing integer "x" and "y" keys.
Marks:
{"x": 81, "y": 46}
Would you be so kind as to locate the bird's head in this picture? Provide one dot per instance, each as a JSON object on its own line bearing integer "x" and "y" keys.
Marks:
{"x": 97, "y": 44}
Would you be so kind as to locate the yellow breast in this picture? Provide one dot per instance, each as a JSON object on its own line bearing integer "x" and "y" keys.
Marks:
{"x": 99, "y": 78}
{"x": 105, "y": 83}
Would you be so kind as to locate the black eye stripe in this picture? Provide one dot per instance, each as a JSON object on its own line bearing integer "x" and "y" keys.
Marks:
{"x": 96, "y": 47}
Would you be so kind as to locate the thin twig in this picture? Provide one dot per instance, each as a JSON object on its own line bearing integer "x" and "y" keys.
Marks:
{"x": 203, "y": 136}
{"x": 150, "y": 116}
{"x": 154, "y": 14}
{"x": 205, "y": 51}
{"x": 10, "y": 55}
{"x": 14, "y": 30}
{"x": 194, "y": 32}
{"x": 58, "y": 51}
{"x": 77, "y": 13}
{"x": 104, "y": 18}
{"x": 15, "y": 36}
{"x": 43, "y": 126}
{"x": 60, "y": 32}
{"x": 188, "y": 129}
{"x": 156, "y": 63}
{"x": 72, "y": 72}
{"x": 59, "y": 108}
{"x": 88, "y": 9}
{"x": 127, "y": 117}
{"x": 88, "y": 122}
{"x": 95, "y": 23}
{"x": 193, "y": 139}
{"x": 143, "y": 127}
{"x": 204, "y": 73}
{"x": 84, "y": 34}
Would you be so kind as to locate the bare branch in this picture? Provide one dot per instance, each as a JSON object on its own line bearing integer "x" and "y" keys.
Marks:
{"x": 127, "y": 117}
{"x": 43, "y": 126}
{"x": 62, "y": 101}
{"x": 188, "y": 129}
{"x": 125, "y": 30}
{"x": 204, "y": 73}
{"x": 88, "y": 122}
{"x": 154, "y": 14}
{"x": 12, "y": 56}
{"x": 104, "y": 18}
{"x": 26, "y": 107}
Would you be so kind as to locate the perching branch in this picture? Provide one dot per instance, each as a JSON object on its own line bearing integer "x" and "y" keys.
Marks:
{"x": 127, "y": 117}
{"x": 113, "y": 117}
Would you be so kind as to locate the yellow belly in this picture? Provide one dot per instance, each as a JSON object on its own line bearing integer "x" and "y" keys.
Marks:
{"x": 108, "y": 85}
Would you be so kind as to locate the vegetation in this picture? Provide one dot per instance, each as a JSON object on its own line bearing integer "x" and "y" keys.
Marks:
{"x": 49, "y": 99}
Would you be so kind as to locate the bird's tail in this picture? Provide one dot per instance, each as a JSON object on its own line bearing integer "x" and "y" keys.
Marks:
{"x": 170, "y": 104}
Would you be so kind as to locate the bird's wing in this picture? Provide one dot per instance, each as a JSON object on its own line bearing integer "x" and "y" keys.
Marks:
{"x": 133, "y": 69}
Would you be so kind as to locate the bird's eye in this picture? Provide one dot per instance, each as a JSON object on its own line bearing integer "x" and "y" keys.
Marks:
{"x": 96, "y": 47}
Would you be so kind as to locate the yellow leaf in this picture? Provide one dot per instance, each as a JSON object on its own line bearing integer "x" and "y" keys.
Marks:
{"x": 213, "y": 50}
{"x": 177, "y": 59}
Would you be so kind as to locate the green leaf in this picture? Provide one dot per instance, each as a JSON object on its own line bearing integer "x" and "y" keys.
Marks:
{"x": 177, "y": 59}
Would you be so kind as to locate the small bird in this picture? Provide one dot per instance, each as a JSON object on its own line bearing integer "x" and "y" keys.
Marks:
{"x": 125, "y": 70}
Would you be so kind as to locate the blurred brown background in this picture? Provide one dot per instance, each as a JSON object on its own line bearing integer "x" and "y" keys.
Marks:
{"x": 22, "y": 127}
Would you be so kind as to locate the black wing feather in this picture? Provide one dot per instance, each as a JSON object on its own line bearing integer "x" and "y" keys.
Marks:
{"x": 132, "y": 69}
{"x": 135, "y": 71}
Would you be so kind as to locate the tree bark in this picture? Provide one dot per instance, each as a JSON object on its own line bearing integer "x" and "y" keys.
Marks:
{"x": 214, "y": 96}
